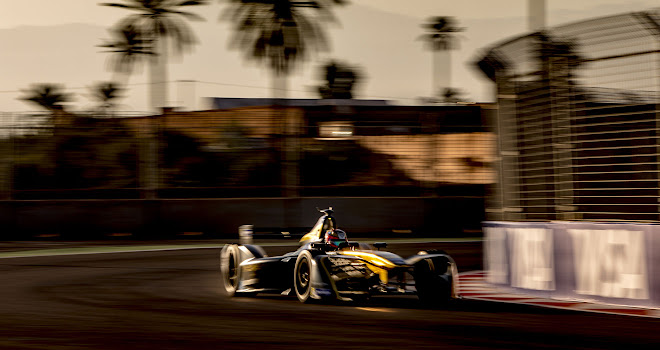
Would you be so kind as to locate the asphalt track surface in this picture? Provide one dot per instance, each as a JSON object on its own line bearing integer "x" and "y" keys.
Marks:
{"x": 174, "y": 300}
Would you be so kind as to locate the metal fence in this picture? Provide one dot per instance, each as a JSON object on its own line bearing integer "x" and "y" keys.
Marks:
{"x": 246, "y": 152}
{"x": 578, "y": 121}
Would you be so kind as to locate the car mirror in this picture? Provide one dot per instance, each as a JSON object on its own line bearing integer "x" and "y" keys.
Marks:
{"x": 379, "y": 245}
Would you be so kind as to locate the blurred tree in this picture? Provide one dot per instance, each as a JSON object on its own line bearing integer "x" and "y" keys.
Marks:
{"x": 557, "y": 56}
{"x": 106, "y": 93}
{"x": 48, "y": 96}
{"x": 440, "y": 33}
{"x": 157, "y": 21}
{"x": 279, "y": 33}
{"x": 441, "y": 39}
{"x": 450, "y": 95}
{"x": 129, "y": 47}
{"x": 340, "y": 81}
{"x": 95, "y": 153}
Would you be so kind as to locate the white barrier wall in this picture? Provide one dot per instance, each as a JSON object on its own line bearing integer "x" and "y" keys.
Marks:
{"x": 611, "y": 263}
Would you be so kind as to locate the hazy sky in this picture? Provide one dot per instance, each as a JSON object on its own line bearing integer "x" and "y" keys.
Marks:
{"x": 378, "y": 35}
{"x": 48, "y": 12}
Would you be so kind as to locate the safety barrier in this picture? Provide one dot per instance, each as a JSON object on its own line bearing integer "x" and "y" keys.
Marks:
{"x": 616, "y": 263}
{"x": 219, "y": 217}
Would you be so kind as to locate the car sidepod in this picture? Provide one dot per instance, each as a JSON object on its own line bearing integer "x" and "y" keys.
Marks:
{"x": 349, "y": 277}
{"x": 356, "y": 275}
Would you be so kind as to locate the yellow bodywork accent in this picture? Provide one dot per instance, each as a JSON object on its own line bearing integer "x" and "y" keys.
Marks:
{"x": 323, "y": 224}
{"x": 370, "y": 258}
{"x": 312, "y": 236}
{"x": 377, "y": 264}
{"x": 384, "y": 276}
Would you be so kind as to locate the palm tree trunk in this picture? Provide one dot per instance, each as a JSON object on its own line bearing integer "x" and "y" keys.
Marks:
{"x": 158, "y": 96}
{"x": 158, "y": 76}
{"x": 7, "y": 163}
{"x": 441, "y": 72}
{"x": 280, "y": 82}
{"x": 290, "y": 131}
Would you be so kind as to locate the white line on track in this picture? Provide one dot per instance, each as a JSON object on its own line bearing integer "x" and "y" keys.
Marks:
{"x": 64, "y": 252}
{"x": 138, "y": 249}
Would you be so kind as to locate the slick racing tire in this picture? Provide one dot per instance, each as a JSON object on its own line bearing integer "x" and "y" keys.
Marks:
{"x": 229, "y": 261}
{"x": 432, "y": 289}
{"x": 302, "y": 276}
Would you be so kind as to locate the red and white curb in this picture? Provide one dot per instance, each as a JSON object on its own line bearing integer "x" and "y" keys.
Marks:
{"x": 473, "y": 286}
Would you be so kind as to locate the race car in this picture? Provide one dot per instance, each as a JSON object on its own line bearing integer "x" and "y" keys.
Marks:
{"x": 328, "y": 266}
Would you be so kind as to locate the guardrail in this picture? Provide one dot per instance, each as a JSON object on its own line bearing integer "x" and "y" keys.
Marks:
{"x": 604, "y": 262}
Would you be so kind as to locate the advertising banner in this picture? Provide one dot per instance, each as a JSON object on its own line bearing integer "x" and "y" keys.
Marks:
{"x": 610, "y": 263}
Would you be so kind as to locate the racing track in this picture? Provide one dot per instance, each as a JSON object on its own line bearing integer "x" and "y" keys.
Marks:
{"x": 172, "y": 300}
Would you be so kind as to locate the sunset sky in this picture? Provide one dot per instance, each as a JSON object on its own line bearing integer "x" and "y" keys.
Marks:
{"x": 56, "y": 41}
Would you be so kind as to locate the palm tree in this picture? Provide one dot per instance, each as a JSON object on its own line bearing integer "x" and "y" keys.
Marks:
{"x": 340, "y": 81}
{"x": 279, "y": 33}
{"x": 129, "y": 47}
{"x": 48, "y": 96}
{"x": 441, "y": 39}
{"x": 106, "y": 93}
{"x": 557, "y": 50}
{"x": 157, "y": 21}
{"x": 451, "y": 95}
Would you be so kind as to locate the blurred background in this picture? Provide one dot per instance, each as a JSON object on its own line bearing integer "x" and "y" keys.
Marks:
{"x": 114, "y": 113}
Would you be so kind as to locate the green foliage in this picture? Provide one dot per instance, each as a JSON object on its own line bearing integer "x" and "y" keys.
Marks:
{"x": 129, "y": 46}
{"x": 236, "y": 160}
{"x": 279, "y": 33}
{"x": 450, "y": 95}
{"x": 89, "y": 154}
{"x": 340, "y": 81}
{"x": 155, "y": 19}
{"x": 440, "y": 32}
{"x": 48, "y": 96}
{"x": 105, "y": 93}
{"x": 185, "y": 163}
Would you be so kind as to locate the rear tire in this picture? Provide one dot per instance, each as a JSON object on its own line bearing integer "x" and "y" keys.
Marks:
{"x": 302, "y": 276}
{"x": 432, "y": 289}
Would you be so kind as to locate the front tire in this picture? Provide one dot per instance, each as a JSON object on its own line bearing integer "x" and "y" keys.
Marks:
{"x": 302, "y": 276}
{"x": 229, "y": 268}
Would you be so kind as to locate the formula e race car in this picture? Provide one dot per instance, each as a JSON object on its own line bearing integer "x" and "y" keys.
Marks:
{"x": 329, "y": 267}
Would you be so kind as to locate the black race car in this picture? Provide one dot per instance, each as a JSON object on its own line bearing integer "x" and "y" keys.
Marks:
{"x": 328, "y": 266}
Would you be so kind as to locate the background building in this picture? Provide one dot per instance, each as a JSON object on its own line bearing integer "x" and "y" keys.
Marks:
{"x": 403, "y": 168}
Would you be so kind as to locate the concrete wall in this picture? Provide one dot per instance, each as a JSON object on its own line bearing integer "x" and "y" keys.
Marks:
{"x": 221, "y": 217}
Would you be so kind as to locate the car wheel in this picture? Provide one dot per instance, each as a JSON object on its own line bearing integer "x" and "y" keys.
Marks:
{"x": 229, "y": 261}
{"x": 302, "y": 276}
{"x": 432, "y": 289}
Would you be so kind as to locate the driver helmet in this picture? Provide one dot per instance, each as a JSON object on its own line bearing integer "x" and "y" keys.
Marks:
{"x": 335, "y": 237}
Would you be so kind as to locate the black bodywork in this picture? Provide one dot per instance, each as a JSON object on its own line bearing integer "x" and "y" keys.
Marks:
{"x": 355, "y": 271}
